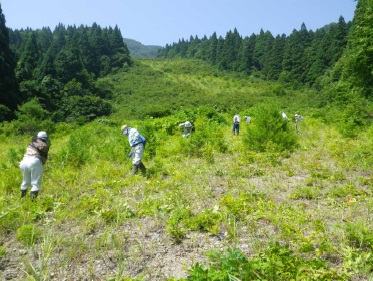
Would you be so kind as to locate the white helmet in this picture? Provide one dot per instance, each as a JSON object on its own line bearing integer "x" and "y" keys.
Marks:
{"x": 42, "y": 135}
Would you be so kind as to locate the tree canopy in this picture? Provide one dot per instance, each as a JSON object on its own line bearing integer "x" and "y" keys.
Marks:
{"x": 59, "y": 68}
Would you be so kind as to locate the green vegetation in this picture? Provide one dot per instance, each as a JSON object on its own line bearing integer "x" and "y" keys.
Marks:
{"x": 302, "y": 57}
{"x": 287, "y": 199}
{"x": 275, "y": 203}
{"x": 140, "y": 51}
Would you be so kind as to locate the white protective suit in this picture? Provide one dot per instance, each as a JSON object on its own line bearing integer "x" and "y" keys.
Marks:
{"x": 187, "y": 128}
{"x": 32, "y": 163}
{"x": 137, "y": 146}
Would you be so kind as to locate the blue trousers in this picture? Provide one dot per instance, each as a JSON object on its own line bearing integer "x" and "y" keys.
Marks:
{"x": 236, "y": 128}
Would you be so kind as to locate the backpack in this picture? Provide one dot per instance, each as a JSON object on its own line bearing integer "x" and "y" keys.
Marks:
{"x": 143, "y": 140}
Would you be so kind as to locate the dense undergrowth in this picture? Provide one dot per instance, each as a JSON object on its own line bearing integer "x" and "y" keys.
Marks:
{"x": 269, "y": 204}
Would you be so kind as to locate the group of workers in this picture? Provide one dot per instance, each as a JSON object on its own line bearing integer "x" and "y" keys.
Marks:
{"x": 32, "y": 164}
{"x": 236, "y": 123}
{"x": 37, "y": 150}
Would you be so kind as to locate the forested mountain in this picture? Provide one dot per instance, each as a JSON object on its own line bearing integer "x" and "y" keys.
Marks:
{"x": 301, "y": 57}
{"x": 54, "y": 73}
{"x": 138, "y": 50}
{"x": 59, "y": 68}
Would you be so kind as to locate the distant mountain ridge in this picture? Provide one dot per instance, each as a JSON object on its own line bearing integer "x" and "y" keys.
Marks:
{"x": 138, "y": 50}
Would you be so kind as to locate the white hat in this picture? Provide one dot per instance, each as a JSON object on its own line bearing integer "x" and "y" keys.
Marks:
{"x": 42, "y": 135}
{"x": 187, "y": 124}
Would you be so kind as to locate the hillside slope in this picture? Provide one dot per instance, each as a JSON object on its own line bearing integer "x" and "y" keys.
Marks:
{"x": 93, "y": 221}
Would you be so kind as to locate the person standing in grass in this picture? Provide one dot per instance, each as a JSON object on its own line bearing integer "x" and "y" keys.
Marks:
{"x": 236, "y": 124}
{"x": 188, "y": 127}
{"x": 32, "y": 164}
{"x": 137, "y": 143}
{"x": 298, "y": 118}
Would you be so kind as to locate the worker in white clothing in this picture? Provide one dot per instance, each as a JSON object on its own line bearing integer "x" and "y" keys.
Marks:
{"x": 32, "y": 164}
{"x": 236, "y": 124}
{"x": 188, "y": 127}
{"x": 137, "y": 143}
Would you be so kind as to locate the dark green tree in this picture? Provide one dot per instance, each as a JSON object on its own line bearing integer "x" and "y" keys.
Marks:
{"x": 67, "y": 64}
{"x": 213, "y": 49}
{"x": 193, "y": 46}
{"x": 47, "y": 66}
{"x": 28, "y": 60}
{"x": 120, "y": 54}
{"x": 231, "y": 47}
{"x": 245, "y": 55}
{"x": 44, "y": 38}
{"x": 262, "y": 49}
{"x": 15, "y": 41}
{"x": 203, "y": 50}
{"x": 99, "y": 47}
{"x": 317, "y": 55}
{"x": 273, "y": 65}
{"x": 295, "y": 63}
{"x": 338, "y": 33}
{"x": 358, "y": 67}
{"x": 9, "y": 97}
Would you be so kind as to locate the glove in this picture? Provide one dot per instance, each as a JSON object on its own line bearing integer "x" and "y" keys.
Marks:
{"x": 130, "y": 155}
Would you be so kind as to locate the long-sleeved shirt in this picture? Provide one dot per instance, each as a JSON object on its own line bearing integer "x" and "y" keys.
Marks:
{"x": 134, "y": 137}
{"x": 236, "y": 118}
{"x": 38, "y": 148}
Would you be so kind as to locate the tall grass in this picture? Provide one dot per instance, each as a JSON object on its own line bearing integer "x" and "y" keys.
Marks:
{"x": 270, "y": 204}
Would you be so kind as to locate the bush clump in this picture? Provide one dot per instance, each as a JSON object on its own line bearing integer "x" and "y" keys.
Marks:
{"x": 269, "y": 131}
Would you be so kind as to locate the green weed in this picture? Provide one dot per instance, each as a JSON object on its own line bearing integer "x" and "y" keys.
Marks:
{"x": 28, "y": 234}
{"x": 306, "y": 193}
{"x": 274, "y": 263}
{"x": 359, "y": 235}
{"x": 175, "y": 224}
{"x": 208, "y": 220}
{"x": 2, "y": 251}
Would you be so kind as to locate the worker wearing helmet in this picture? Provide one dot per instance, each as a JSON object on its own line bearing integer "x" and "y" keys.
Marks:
{"x": 32, "y": 164}
{"x": 188, "y": 127}
{"x": 137, "y": 143}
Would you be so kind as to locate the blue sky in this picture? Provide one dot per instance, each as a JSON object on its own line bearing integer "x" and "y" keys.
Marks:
{"x": 161, "y": 22}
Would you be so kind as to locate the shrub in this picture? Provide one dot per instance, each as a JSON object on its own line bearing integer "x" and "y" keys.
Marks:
{"x": 174, "y": 224}
{"x": 32, "y": 118}
{"x": 81, "y": 109}
{"x": 359, "y": 235}
{"x": 206, "y": 139}
{"x": 28, "y": 234}
{"x": 269, "y": 131}
{"x": 240, "y": 207}
{"x": 208, "y": 220}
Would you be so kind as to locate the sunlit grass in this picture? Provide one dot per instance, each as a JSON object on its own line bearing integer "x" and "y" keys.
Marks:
{"x": 206, "y": 191}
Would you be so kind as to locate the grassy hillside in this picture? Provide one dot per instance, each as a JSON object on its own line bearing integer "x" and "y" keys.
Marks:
{"x": 156, "y": 88}
{"x": 212, "y": 207}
